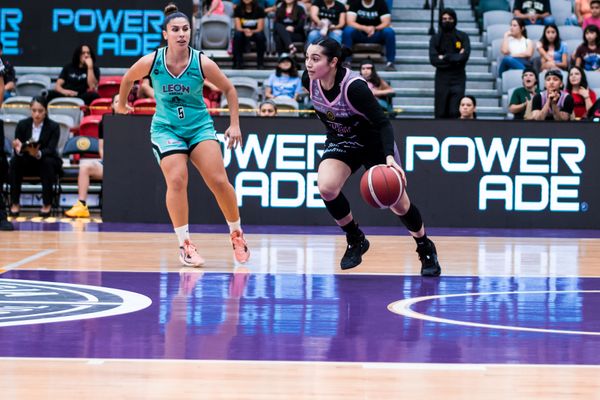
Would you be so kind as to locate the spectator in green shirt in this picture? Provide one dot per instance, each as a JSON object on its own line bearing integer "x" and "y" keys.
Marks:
{"x": 523, "y": 95}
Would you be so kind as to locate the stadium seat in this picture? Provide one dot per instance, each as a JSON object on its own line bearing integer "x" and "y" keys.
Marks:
{"x": 32, "y": 85}
{"x": 247, "y": 106}
{"x": 534, "y": 32}
{"x": 66, "y": 123}
{"x": 496, "y": 17}
{"x": 511, "y": 79}
{"x": 101, "y": 106}
{"x": 70, "y": 106}
{"x": 215, "y": 31}
{"x": 89, "y": 125}
{"x": 144, "y": 106}
{"x": 568, "y": 32}
{"x": 229, "y": 7}
{"x": 109, "y": 86}
{"x": 494, "y": 32}
{"x": 10, "y": 124}
{"x": 17, "y": 105}
{"x": 245, "y": 87}
{"x": 561, "y": 11}
{"x": 593, "y": 79}
{"x": 288, "y": 107}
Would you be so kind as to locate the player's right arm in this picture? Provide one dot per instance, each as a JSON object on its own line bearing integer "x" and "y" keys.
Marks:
{"x": 137, "y": 71}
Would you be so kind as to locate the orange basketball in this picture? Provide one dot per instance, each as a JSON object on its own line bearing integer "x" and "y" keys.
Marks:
{"x": 381, "y": 186}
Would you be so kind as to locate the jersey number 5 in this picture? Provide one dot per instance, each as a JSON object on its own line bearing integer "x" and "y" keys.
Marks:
{"x": 180, "y": 113}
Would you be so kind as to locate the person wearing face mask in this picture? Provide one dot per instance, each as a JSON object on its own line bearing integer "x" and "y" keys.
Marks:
{"x": 449, "y": 51}
{"x": 284, "y": 81}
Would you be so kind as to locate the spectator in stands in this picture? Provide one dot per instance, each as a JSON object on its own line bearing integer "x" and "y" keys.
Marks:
{"x": 213, "y": 7}
{"x": 380, "y": 88}
{"x": 369, "y": 21}
{"x": 582, "y": 10}
{"x": 90, "y": 169}
{"x": 533, "y": 12}
{"x": 267, "y": 108}
{"x": 516, "y": 47}
{"x": 594, "y": 112}
{"x": 5, "y": 225}
{"x": 583, "y": 97}
{"x": 290, "y": 19}
{"x": 553, "y": 51}
{"x": 212, "y": 96}
{"x": 35, "y": 154}
{"x": 249, "y": 27}
{"x": 553, "y": 104}
{"x": 145, "y": 90}
{"x": 468, "y": 107}
{"x": 79, "y": 78}
{"x": 284, "y": 81}
{"x": 587, "y": 54}
{"x": 521, "y": 97}
{"x": 9, "y": 76}
{"x": 594, "y": 18}
{"x": 328, "y": 18}
{"x": 268, "y": 5}
{"x": 449, "y": 51}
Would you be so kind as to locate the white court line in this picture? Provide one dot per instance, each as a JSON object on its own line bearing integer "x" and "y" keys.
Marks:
{"x": 26, "y": 260}
{"x": 99, "y": 361}
{"x": 403, "y": 307}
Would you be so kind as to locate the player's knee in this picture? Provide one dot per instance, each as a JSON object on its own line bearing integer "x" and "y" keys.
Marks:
{"x": 177, "y": 183}
{"x": 328, "y": 191}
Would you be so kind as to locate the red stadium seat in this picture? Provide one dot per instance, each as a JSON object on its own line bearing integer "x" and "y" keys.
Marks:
{"x": 89, "y": 125}
{"x": 109, "y": 86}
{"x": 101, "y": 106}
{"x": 144, "y": 106}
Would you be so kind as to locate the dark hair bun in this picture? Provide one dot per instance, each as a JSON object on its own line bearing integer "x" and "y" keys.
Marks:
{"x": 170, "y": 9}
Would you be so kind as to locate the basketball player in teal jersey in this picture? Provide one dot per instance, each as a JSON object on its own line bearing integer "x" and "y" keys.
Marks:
{"x": 182, "y": 128}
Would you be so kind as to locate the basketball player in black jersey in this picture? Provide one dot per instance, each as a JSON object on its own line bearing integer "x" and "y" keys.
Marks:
{"x": 358, "y": 134}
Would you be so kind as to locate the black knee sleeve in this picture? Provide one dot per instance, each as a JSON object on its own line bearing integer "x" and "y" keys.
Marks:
{"x": 338, "y": 207}
{"x": 412, "y": 219}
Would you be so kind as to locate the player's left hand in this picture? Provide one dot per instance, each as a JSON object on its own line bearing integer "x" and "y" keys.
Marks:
{"x": 233, "y": 136}
{"x": 391, "y": 162}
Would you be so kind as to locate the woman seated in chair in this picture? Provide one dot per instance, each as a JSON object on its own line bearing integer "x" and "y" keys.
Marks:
{"x": 35, "y": 154}
{"x": 516, "y": 48}
{"x": 284, "y": 81}
{"x": 289, "y": 26}
{"x": 249, "y": 23}
{"x": 380, "y": 88}
{"x": 90, "y": 169}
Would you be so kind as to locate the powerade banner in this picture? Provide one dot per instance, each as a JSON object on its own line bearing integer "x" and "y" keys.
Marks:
{"x": 503, "y": 174}
{"x": 45, "y": 33}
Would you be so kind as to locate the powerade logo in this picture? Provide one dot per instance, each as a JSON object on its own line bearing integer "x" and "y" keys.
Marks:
{"x": 10, "y": 21}
{"x": 547, "y": 169}
{"x": 291, "y": 182}
{"x": 126, "y": 33}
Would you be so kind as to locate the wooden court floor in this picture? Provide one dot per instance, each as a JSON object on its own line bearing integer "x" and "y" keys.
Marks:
{"x": 521, "y": 260}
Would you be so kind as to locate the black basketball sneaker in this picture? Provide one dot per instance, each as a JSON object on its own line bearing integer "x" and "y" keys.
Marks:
{"x": 357, "y": 246}
{"x": 429, "y": 260}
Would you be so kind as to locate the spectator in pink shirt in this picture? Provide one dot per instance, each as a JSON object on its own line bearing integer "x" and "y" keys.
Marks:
{"x": 594, "y": 19}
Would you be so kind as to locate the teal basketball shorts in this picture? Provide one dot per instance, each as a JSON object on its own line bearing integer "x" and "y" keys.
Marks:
{"x": 165, "y": 141}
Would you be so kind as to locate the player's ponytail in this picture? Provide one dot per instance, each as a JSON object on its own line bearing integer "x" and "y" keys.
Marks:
{"x": 171, "y": 12}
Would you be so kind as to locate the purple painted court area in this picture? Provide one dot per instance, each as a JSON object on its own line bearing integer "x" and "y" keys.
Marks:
{"x": 308, "y": 230}
{"x": 244, "y": 316}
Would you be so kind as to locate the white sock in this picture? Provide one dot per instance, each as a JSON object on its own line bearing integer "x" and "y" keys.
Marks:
{"x": 235, "y": 226}
{"x": 183, "y": 234}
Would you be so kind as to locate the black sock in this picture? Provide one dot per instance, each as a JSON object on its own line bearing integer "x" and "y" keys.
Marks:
{"x": 82, "y": 202}
{"x": 422, "y": 240}
{"x": 351, "y": 228}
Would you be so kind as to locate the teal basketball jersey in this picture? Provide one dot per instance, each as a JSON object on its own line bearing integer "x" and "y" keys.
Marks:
{"x": 179, "y": 101}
